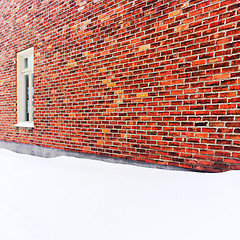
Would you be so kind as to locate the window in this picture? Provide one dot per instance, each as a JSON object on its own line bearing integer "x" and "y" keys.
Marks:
{"x": 25, "y": 88}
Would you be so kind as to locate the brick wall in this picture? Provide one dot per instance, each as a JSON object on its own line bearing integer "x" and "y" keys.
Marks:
{"x": 155, "y": 81}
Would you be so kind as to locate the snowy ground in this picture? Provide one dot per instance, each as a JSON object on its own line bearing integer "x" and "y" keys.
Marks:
{"x": 66, "y": 198}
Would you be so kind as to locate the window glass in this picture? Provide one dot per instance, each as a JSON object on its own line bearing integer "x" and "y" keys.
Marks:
{"x": 25, "y": 63}
{"x": 26, "y": 94}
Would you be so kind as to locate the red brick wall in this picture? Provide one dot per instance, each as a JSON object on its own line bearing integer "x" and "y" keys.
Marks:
{"x": 155, "y": 80}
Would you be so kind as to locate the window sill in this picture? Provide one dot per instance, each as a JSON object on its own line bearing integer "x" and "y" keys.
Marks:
{"x": 24, "y": 125}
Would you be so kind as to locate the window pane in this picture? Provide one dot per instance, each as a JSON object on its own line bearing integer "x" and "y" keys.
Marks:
{"x": 26, "y": 83}
{"x": 25, "y": 62}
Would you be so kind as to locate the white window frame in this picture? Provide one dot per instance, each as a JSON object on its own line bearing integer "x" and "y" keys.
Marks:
{"x": 25, "y": 88}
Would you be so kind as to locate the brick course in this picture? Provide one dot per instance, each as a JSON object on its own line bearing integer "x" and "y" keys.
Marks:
{"x": 155, "y": 81}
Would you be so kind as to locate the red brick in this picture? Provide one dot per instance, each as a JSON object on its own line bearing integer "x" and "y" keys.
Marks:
{"x": 150, "y": 82}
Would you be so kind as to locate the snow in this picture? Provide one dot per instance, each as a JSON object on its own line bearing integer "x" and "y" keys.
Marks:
{"x": 67, "y": 198}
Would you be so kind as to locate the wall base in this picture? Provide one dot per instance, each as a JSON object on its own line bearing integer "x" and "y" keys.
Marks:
{"x": 51, "y": 152}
